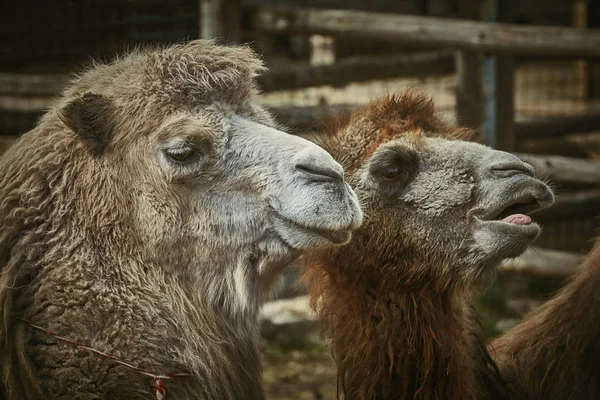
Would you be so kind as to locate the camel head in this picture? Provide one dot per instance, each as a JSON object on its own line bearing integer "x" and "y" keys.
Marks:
{"x": 452, "y": 209}
{"x": 171, "y": 161}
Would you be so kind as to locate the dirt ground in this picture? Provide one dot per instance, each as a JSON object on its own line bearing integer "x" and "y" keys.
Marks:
{"x": 299, "y": 375}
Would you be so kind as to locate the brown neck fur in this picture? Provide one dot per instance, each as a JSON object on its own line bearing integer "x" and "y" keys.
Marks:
{"x": 413, "y": 338}
{"x": 555, "y": 352}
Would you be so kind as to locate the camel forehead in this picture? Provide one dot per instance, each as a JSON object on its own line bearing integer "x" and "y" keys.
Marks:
{"x": 439, "y": 150}
{"x": 454, "y": 152}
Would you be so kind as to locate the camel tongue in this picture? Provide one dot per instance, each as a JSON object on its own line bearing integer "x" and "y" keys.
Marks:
{"x": 519, "y": 219}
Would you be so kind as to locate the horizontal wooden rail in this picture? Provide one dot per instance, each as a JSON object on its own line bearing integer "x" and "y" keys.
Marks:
{"x": 572, "y": 205}
{"x": 580, "y": 145}
{"x": 359, "y": 69}
{"x": 33, "y": 84}
{"x": 459, "y": 34}
{"x": 354, "y": 69}
{"x": 566, "y": 170}
{"x": 557, "y": 126}
{"x": 307, "y": 118}
{"x": 544, "y": 262}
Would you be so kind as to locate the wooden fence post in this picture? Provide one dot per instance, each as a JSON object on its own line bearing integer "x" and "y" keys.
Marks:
{"x": 469, "y": 93}
{"x": 210, "y": 18}
{"x": 499, "y": 104}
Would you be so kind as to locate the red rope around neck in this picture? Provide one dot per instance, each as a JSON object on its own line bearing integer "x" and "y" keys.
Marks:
{"x": 159, "y": 385}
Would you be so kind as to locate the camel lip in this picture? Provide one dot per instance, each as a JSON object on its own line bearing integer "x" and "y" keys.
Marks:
{"x": 334, "y": 236}
{"x": 526, "y": 203}
{"x": 528, "y": 231}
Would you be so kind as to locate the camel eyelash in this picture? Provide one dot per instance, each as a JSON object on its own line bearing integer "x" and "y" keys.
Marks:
{"x": 182, "y": 155}
{"x": 394, "y": 166}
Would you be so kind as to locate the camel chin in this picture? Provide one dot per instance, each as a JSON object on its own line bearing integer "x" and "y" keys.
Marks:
{"x": 301, "y": 237}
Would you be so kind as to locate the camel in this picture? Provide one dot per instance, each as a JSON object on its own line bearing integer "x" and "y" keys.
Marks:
{"x": 146, "y": 217}
{"x": 441, "y": 212}
{"x": 554, "y": 352}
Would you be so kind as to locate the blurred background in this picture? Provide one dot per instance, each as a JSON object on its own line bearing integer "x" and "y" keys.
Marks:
{"x": 524, "y": 73}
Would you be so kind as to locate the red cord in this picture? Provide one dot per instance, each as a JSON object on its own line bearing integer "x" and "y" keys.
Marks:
{"x": 159, "y": 385}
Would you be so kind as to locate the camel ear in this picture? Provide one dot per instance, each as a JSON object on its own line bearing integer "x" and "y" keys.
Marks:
{"x": 91, "y": 117}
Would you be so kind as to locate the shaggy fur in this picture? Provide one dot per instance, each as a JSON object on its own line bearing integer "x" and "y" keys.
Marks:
{"x": 395, "y": 302}
{"x": 158, "y": 263}
{"x": 554, "y": 353}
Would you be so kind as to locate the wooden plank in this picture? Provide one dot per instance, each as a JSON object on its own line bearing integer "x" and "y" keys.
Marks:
{"x": 469, "y": 90}
{"x": 584, "y": 203}
{"x": 505, "y": 103}
{"x": 307, "y": 118}
{"x": 544, "y": 262}
{"x": 355, "y": 69}
{"x": 582, "y": 72}
{"x": 499, "y": 103}
{"x": 565, "y": 170}
{"x": 583, "y": 145}
{"x": 557, "y": 126}
{"x": 359, "y": 69}
{"x": 469, "y": 35}
{"x": 232, "y": 21}
{"x": 210, "y": 19}
{"x": 33, "y": 84}
{"x": 6, "y": 142}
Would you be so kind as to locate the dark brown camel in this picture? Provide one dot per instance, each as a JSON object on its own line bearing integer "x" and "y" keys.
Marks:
{"x": 554, "y": 353}
{"x": 441, "y": 214}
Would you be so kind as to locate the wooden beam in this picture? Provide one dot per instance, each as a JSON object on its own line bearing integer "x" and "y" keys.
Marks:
{"x": 469, "y": 35}
{"x": 582, "y": 145}
{"x": 232, "y": 21}
{"x": 307, "y": 118}
{"x": 358, "y": 69}
{"x": 584, "y": 203}
{"x": 469, "y": 90}
{"x": 32, "y": 84}
{"x": 354, "y": 69}
{"x": 6, "y": 142}
{"x": 565, "y": 170}
{"x": 557, "y": 126}
{"x": 544, "y": 262}
{"x": 499, "y": 107}
{"x": 582, "y": 68}
{"x": 210, "y": 19}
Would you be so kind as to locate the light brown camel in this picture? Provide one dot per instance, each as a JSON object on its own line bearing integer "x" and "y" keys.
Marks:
{"x": 147, "y": 216}
{"x": 554, "y": 353}
{"x": 441, "y": 214}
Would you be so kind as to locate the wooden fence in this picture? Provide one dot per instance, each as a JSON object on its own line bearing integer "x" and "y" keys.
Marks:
{"x": 23, "y": 98}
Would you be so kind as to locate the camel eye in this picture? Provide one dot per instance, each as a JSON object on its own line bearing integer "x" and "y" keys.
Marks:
{"x": 180, "y": 155}
{"x": 391, "y": 173}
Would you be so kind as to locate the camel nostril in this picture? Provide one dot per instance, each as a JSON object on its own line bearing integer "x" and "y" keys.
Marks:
{"x": 319, "y": 172}
{"x": 507, "y": 169}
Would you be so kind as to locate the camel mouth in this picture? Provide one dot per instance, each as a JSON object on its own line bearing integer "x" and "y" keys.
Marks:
{"x": 300, "y": 236}
{"x": 517, "y": 211}
{"x": 520, "y": 208}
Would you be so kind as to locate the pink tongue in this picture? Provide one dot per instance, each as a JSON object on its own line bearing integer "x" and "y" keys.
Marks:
{"x": 518, "y": 219}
